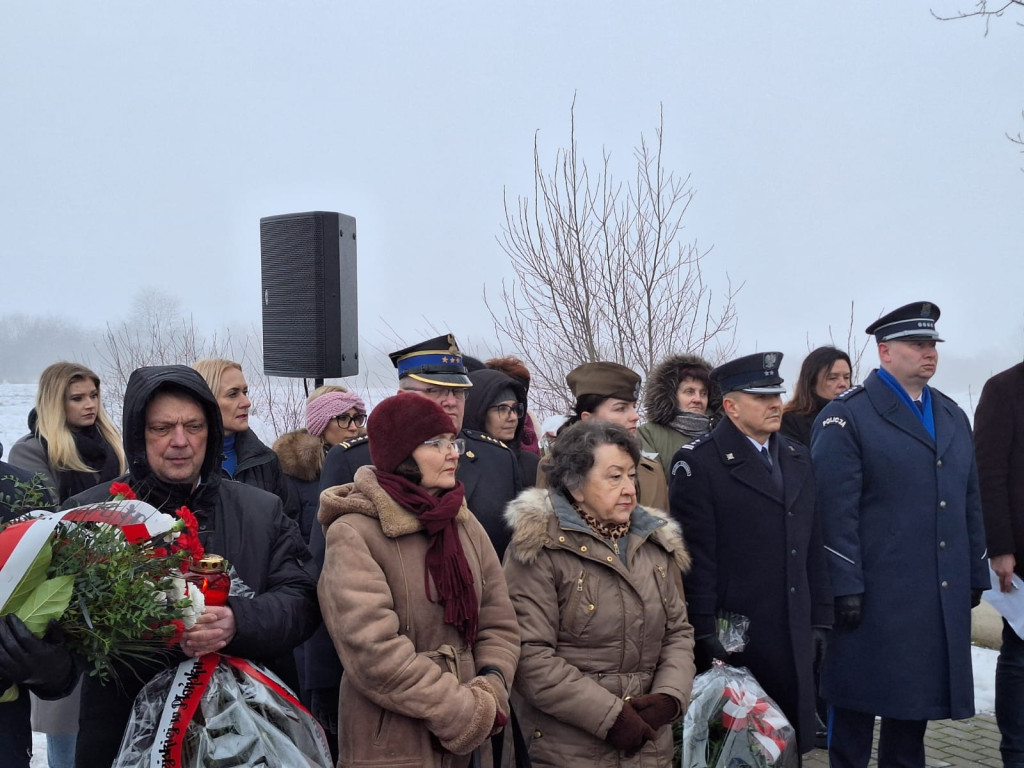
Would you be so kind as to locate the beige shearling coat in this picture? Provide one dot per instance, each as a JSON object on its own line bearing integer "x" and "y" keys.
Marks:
{"x": 406, "y": 689}
{"x": 596, "y": 627}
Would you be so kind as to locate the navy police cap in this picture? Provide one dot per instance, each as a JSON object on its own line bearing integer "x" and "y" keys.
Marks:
{"x": 436, "y": 361}
{"x": 757, "y": 374}
{"x": 911, "y": 322}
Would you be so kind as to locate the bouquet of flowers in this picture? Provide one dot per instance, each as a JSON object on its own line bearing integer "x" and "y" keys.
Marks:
{"x": 731, "y": 722}
{"x": 110, "y": 574}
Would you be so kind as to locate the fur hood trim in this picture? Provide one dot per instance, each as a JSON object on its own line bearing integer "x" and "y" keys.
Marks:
{"x": 364, "y": 496}
{"x": 660, "y": 404}
{"x": 301, "y": 454}
{"x": 534, "y": 523}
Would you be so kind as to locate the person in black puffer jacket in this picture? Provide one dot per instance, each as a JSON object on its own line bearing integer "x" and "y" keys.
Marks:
{"x": 244, "y": 524}
{"x": 246, "y": 458}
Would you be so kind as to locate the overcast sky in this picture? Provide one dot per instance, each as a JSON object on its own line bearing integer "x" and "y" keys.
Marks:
{"x": 840, "y": 152}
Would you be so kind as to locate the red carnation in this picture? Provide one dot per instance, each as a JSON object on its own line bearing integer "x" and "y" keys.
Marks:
{"x": 122, "y": 491}
{"x": 175, "y": 637}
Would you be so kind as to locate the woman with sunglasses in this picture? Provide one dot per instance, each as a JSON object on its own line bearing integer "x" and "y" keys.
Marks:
{"x": 414, "y": 599}
{"x": 496, "y": 406}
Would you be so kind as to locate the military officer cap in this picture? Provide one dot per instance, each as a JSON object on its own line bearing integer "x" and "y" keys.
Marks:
{"x": 436, "y": 361}
{"x": 604, "y": 379}
{"x": 757, "y": 374}
{"x": 911, "y": 322}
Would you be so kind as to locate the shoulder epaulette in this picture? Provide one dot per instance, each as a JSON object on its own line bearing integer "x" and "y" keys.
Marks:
{"x": 702, "y": 440}
{"x": 352, "y": 443}
{"x": 855, "y": 390}
{"x": 483, "y": 437}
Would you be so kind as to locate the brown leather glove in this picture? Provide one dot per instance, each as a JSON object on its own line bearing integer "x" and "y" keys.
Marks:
{"x": 629, "y": 732}
{"x": 656, "y": 709}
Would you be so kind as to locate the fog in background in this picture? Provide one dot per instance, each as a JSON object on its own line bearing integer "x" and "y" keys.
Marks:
{"x": 840, "y": 154}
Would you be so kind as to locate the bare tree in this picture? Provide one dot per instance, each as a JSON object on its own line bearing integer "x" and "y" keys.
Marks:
{"x": 602, "y": 272}
{"x": 985, "y": 10}
{"x": 157, "y": 333}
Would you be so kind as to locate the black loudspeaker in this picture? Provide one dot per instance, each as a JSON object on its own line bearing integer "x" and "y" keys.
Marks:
{"x": 310, "y": 323}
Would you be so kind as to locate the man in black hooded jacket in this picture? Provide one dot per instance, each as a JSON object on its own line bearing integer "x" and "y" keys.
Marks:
{"x": 172, "y": 438}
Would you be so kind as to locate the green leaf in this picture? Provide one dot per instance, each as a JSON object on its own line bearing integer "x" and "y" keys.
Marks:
{"x": 49, "y": 601}
{"x": 11, "y": 694}
{"x": 33, "y": 577}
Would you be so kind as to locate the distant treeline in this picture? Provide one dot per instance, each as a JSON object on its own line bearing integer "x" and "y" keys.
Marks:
{"x": 30, "y": 343}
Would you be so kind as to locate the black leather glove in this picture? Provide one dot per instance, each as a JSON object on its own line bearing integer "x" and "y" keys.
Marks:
{"x": 41, "y": 664}
{"x": 706, "y": 649}
{"x": 323, "y": 705}
{"x": 976, "y": 597}
{"x": 848, "y": 611}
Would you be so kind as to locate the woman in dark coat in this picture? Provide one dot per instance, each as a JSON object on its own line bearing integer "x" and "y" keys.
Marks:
{"x": 246, "y": 458}
{"x": 496, "y": 406}
{"x": 824, "y": 374}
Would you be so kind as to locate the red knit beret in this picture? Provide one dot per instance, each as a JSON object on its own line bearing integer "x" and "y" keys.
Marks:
{"x": 400, "y": 423}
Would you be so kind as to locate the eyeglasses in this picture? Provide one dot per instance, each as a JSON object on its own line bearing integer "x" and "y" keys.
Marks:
{"x": 440, "y": 394}
{"x": 344, "y": 421}
{"x": 443, "y": 445}
{"x": 504, "y": 411}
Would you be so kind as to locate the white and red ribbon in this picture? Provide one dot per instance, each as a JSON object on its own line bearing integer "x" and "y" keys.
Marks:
{"x": 745, "y": 711}
{"x": 21, "y": 543}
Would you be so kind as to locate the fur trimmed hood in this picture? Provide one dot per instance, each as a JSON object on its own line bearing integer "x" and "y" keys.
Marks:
{"x": 301, "y": 454}
{"x": 364, "y": 496}
{"x": 660, "y": 404}
{"x": 533, "y": 521}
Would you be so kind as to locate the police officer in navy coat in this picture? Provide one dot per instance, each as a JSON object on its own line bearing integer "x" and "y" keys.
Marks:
{"x": 745, "y": 496}
{"x": 488, "y": 470}
{"x": 905, "y": 544}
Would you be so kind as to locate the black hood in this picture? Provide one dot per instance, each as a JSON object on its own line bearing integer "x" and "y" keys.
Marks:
{"x": 143, "y": 385}
{"x": 660, "y": 403}
{"x": 487, "y": 383}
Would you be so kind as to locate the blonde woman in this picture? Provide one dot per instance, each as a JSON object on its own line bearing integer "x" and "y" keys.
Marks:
{"x": 73, "y": 445}
{"x": 72, "y": 442}
{"x": 245, "y": 457}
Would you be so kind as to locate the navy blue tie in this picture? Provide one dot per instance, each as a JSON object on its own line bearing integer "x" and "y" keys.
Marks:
{"x": 766, "y": 458}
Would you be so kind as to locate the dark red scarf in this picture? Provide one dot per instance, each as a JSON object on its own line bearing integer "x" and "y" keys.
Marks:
{"x": 445, "y": 562}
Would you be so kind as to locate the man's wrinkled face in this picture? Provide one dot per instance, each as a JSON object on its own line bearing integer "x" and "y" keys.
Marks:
{"x": 176, "y": 433}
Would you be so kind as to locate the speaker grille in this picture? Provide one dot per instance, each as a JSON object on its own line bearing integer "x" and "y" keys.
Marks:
{"x": 305, "y": 329}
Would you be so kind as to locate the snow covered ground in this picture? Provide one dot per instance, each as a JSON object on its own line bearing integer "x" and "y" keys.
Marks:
{"x": 984, "y": 697}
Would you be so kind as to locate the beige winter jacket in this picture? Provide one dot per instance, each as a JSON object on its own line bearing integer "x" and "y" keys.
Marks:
{"x": 410, "y": 695}
{"x": 596, "y": 627}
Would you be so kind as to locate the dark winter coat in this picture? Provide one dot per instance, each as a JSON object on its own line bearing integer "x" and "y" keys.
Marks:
{"x": 302, "y": 457}
{"x": 798, "y": 425}
{"x": 757, "y": 552}
{"x": 999, "y": 446}
{"x": 661, "y": 434}
{"x": 487, "y": 384}
{"x": 596, "y": 627}
{"x": 902, "y": 524}
{"x": 258, "y": 466}
{"x": 490, "y": 474}
{"x": 244, "y": 524}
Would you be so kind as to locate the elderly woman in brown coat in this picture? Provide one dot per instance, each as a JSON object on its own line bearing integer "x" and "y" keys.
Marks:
{"x": 607, "y": 656}
{"x": 414, "y": 599}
